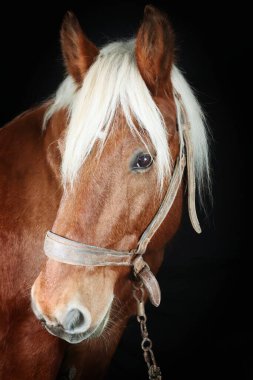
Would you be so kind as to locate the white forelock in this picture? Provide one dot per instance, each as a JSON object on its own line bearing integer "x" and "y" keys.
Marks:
{"x": 114, "y": 81}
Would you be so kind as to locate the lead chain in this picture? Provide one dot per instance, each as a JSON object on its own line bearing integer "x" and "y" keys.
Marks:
{"x": 154, "y": 372}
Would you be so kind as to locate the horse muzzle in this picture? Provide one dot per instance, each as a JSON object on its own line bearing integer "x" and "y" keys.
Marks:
{"x": 74, "y": 325}
{"x": 75, "y": 338}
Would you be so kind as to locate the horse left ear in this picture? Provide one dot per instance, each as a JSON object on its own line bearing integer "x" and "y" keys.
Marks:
{"x": 79, "y": 53}
{"x": 154, "y": 50}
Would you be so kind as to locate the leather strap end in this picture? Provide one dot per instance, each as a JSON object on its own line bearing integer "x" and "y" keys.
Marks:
{"x": 151, "y": 285}
{"x": 196, "y": 226}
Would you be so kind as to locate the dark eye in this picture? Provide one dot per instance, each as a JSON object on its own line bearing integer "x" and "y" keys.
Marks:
{"x": 142, "y": 161}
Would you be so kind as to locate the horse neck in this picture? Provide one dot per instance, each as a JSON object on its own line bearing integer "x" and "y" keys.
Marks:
{"x": 29, "y": 186}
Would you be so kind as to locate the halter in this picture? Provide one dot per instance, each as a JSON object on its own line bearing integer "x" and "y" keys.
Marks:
{"x": 71, "y": 252}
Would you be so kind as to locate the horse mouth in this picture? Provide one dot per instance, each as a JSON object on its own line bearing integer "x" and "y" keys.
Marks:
{"x": 79, "y": 337}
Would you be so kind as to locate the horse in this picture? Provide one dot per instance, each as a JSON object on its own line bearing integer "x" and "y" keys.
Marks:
{"x": 100, "y": 166}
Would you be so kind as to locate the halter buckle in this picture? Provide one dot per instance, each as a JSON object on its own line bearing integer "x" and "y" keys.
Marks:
{"x": 139, "y": 264}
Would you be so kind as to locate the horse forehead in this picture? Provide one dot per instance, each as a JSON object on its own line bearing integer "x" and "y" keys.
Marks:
{"x": 120, "y": 141}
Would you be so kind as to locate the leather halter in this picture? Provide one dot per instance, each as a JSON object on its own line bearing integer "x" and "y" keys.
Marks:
{"x": 71, "y": 252}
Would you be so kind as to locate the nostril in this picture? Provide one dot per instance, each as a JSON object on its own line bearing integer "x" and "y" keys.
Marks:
{"x": 74, "y": 320}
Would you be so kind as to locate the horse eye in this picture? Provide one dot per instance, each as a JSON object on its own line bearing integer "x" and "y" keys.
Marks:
{"x": 142, "y": 161}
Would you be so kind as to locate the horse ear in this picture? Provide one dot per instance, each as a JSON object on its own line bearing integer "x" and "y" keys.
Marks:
{"x": 154, "y": 49}
{"x": 78, "y": 52}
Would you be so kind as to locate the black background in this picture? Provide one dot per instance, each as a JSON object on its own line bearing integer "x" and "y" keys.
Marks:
{"x": 203, "y": 327}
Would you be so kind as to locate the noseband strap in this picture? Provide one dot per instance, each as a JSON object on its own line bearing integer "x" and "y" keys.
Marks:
{"x": 71, "y": 252}
{"x": 67, "y": 251}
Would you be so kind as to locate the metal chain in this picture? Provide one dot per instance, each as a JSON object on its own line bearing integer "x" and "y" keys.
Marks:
{"x": 154, "y": 372}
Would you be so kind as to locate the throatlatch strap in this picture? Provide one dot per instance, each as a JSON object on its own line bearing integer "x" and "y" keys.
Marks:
{"x": 191, "y": 183}
{"x": 190, "y": 165}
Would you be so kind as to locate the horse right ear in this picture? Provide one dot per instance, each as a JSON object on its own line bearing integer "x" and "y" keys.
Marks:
{"x": 154, "y": 50}
{"x": 79, "y": 53}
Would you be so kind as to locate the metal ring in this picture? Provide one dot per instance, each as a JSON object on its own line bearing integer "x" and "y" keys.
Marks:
{"x": 141, "y": 318}
{"x": 146, "y": 344}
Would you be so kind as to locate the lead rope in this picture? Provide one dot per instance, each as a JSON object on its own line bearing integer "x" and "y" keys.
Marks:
{"x": 154, "y": 372}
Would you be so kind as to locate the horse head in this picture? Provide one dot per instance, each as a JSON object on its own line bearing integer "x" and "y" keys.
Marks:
{"x": 118, "y": 154}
